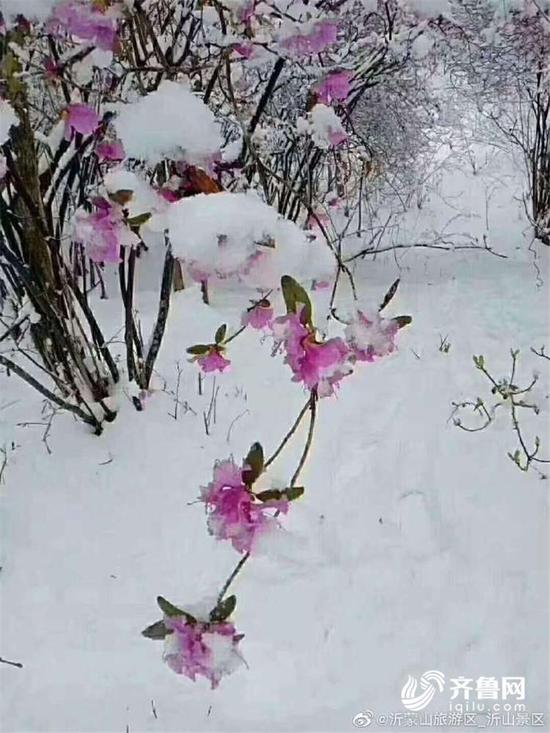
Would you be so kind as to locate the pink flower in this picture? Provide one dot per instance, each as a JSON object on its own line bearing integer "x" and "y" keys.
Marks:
{"x": 198, "y": 273}
{"x": 213, "y": 361}
{"x": 111, "y": 151}
{"x": 369, "y": 338}
{"x": 234, "y": 513}
{"x": 206, "y": 649}
{"x": 318, "y": 365}
{"x": 103, "y": 232}
{"x": 81, "y": 118}
{"x": 334, "y": 87}
{"x": 337, "y": 137}
{"x": 51, "y": 69}
{"x": 169, "y": 195}
{"x": 312, "y": 39}
{"x": 260, "y": 316}
{"x": 85, "y": 21}
{"x": 320, "y": 218}
{"x": 245, "y": 50}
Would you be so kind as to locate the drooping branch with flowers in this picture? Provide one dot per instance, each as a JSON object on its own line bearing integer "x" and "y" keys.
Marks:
{"x": 241, "y": 510}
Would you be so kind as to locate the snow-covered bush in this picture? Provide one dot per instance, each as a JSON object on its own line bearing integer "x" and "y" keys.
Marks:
{"x": 217, "y": 136}
{"x": 499, "y": 58}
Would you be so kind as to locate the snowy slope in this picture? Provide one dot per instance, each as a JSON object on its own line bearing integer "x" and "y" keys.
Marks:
{"x": 416, "y": 546}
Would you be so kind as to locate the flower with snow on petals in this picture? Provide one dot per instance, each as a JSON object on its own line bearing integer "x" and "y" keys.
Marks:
{"x": 259, "y": 316}
{"x": 82, "y": 119}
{"x": 202, "y": 649}
{"x": 87, "y": 22}
{"x": 244, "y": 50}
{"x": 234, "y": 513}
{"x": 103, "y": 232}
{"x": 110, "y": 151}
{"x": 337, "y": 137}
{"x": 324, "y": 126}
{"x": 335, "y": 87}
{"x": 213, "y": 360}
{"x": 319, "y": 365}
{"x": 311, "y": 38}
{"x": 371, "y": 337}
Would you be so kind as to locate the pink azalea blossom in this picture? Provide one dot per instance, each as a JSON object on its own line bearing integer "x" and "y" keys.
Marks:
{"x": 103, "y": 232}
{"x": 233, "y": 512}
{"x": 169, "y": 195}
{"x": 245, "y": 50}
{"x": 110, "y": 151}
{"x": 315, "y": 222}
{"x": 205, "y": 649}
{"x": 213, "y": 361}
{"x": 258, "y": 317}
{"x": 86, "y": 22}
{"x": 81, "y": 118}
{"x": 334, "y": 87}
{"x": 371, "y": 337}
{"x": 312, "y": 40}
{"x": 318, "y": 365}
{"x": 51, "y": 69}
{"x": 337, "y": 137}
{"x": 198, "y": 274}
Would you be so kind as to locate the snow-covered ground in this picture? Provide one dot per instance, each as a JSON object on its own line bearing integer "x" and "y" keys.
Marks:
{"x": 417, "y": 546}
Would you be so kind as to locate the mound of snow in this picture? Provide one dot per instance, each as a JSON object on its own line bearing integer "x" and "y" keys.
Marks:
{"x": 170, "y": 122}
{"x": 237, "y": 234}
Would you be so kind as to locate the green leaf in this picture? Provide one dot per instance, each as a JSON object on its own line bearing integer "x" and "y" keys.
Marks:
{"x": 269, "y": 495}
{"x": 220, "y": 334}
{"x": 479, "y": 361}
{"x": 294, "y": 492}
{"x": 156, "y": 631}
{"x": 223, "y": 610}
{"x": 199, "y": 349}
{"x": 294, "y": 296}
{"x": 136, "y": 221}
{"x": 170, "y": 610}
{"x": 254, "y": 463}
{"x": 402, "y": 321}
{"x": 389, "y": 295}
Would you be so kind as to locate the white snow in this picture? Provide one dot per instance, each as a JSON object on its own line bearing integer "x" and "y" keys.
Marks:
{"x": 8, "y": 119}
{"x": 39, "y": 9}
{"x": 170, "y": 122}
{"x": 323, "y": 124}
{"x": 228, "y": 229}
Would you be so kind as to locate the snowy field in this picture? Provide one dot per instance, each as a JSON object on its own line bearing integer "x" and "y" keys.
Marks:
{"x": 417, "y": 546}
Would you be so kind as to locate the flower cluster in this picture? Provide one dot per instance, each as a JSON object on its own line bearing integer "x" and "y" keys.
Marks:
{"x": 311, "y": 37}
{"x": 82, "y": 119}
{"x": 103, "y": 231}
{"x": 85, "y": 21}
{"x": 318, "y": 365}
{"x": 371, "y": 337}
{"x": 335, "y": 87}
{"x": 234, "y": 512}
{"x": 206, "y": 649}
